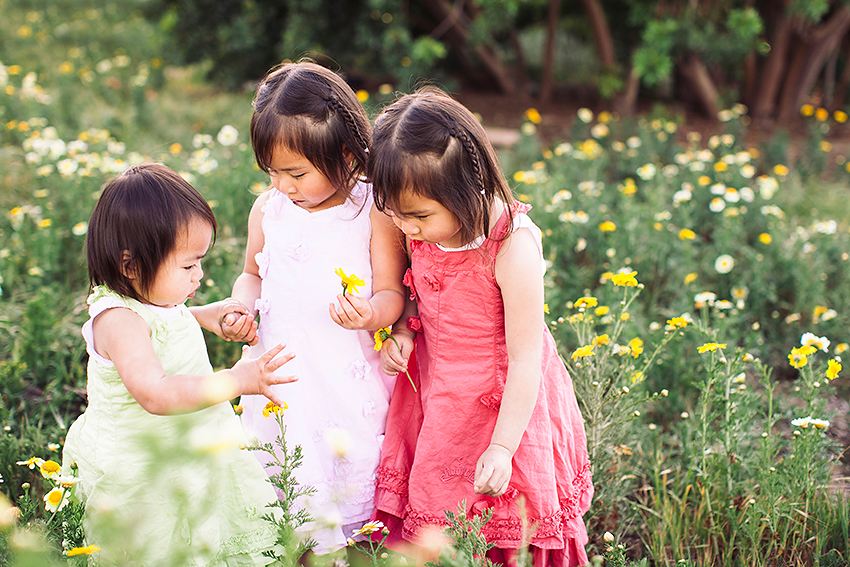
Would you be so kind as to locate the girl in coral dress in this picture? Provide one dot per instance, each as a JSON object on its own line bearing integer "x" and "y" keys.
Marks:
{"x": 494, "y": 422}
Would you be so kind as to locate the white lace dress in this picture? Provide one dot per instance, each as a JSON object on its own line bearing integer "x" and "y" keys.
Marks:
{"x": 337, "y": 409}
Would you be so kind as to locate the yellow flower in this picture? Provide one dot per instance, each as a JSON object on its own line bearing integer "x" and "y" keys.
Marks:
{"x": 533, "y": 116}
{"x": 797, "y": 359}
{"x": 807, "y": 110}
{"x": 840, "y": 116}
{"x": 44, "y": 223}
{"x": 607, "y": 226}
{"x": 50, "y": 469}
{"x": 780, "y": 170}
{"x": 833, "y": 370}
{"x": 690, "y": 278}
{"x": 625, "y": 316}
{"x": 369, "y": 528}
{"x": 601, "y": 310}
{"x": 841, "y": 348}
{"x": 546, "y": 308}
{"x": 678, "y": 322}
{"x": 821, "y": 114}
{"x": 625, "y": 279}
{"x": 585, "y": 302}
{"x": 703, "y": 180}
{"x": 806, "y": 350}
{"x": 819, "y": 310}
{"x": 32, "y": 462}
{"x": 581, "y": 352}
{"x": 272, "y": 407}
{"x": 237, "y": 409}
{"x": 174, "y": 149}
{"x": 605, "y": 117}
{"x": 601, "y": 340}
{"x": 362, "y": 95}
{"x": 380, "y": 336}
{"x": 720, "y": 166}
{"x": 687, "y": 234}
{"x": 765, "y": 238}
{"x": 825, "y": 146}
{"x": 351, "y": 281}
{"x": 55, "y": 500}
{"x": 637, "y": 377}
{"x": 710, "y": 347}
{"x": 88, "y": 550}
{"x": 66, "y": 68}
{"x": 636, "y": 347}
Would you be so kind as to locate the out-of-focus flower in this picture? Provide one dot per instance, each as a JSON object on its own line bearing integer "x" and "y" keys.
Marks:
{"x": 625, "y": 279}
{"x": 586, "y": 302}
{"x": 833, "y": 369}
{"x": 636, "y": 347}
{"x": 710, "y": 347}
{"x": 581, "y": 352}
{"x": 687, "y": 234}
{"x": 533, "y": 116}
{"x": 88, "y": 550}
{"x": 227, "y": 136}
{"x": 724, "y": 264}
{"x": 811, "y": 339}
{"x": 690, "y": 278}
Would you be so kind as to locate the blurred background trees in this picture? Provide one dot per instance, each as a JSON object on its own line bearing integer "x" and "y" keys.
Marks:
{"x": 768, "y": 54}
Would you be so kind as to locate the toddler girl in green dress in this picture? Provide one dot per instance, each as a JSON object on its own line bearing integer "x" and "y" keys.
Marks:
{"x": 159, "y": 452}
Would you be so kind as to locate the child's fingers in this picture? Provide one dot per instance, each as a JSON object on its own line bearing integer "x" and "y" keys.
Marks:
{"x": 279, "y": 361}
{"x": 335, "y": 316}
{"x": 483, "y": 473}
{"x": 272, "y": 352}
{"x": 352, "y": 306}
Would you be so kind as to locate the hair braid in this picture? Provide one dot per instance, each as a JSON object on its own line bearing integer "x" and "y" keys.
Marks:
{"x": 462, "y": 136}
{"x": 353, "y": 126}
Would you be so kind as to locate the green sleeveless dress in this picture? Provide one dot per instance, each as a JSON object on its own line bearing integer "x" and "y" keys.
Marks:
{"x": 165, "y": 490}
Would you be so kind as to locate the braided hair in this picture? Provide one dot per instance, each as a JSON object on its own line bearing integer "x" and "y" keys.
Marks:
{"x": 431, "y": 144}
{"x": 310, "y": 110}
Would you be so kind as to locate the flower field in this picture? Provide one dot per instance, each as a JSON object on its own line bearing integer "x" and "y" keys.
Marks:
{"x": 697, "y": 286}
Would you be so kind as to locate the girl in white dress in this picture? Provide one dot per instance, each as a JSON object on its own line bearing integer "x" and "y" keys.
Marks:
{"x": 317, "y": 220}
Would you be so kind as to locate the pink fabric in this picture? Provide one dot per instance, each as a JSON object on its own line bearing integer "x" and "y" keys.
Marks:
{"x": 434, "y": 437}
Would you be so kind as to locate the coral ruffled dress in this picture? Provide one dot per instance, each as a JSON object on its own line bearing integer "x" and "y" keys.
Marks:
{"x": 435, "y": 437}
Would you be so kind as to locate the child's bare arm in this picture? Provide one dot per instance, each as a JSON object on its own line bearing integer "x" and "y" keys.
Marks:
{"x": 123, "y": 337}
{"x": 520, "y": 278}
{"x": 238, "y": 325}
{"x": 389, "y": 261}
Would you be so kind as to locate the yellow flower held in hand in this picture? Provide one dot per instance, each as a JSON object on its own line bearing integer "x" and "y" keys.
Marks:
{"x": 349, "y": 282}
{"x": 382, "y": 335}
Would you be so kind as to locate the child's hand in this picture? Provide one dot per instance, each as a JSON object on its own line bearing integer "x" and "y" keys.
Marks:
{"x": 493, "y": 471}
{"x": 394, "y": 358}
{"x": 353, "y": 313}
{"x": 237, "y": 326}
{"x": 257, "y": 375}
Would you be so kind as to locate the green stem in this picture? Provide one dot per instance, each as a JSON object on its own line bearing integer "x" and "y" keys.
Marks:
{"x": 406, "y": 372}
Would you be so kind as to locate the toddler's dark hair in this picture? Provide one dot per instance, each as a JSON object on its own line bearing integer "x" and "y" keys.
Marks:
{"x": 140, "y": 212}
{"x": 430, "y": 144}
{"x": 310, "y": 110}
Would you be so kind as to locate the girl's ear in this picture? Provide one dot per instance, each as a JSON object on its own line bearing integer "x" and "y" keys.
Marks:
{"x": 347, "y": 155}
{"x": 127, "y": 269}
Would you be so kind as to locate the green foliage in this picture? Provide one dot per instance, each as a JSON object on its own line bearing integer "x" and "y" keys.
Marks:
{"x": 466, "y": 546}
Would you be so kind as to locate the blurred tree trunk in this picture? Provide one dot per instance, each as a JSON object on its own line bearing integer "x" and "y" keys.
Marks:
{"x": 624, "y": 102}
{"x": 818, "y": 44}
{"x": 457, "y": 34}
{"x": 841, "y": 88}
{"x": 547, "y": 83}
{"x": 694, "y": 70}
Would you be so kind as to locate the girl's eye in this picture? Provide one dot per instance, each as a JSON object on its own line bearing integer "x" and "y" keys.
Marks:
{"x": 299, "y": 176}
{"x": 421, "y": 217}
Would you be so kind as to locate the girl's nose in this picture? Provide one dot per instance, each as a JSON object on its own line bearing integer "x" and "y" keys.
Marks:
{"x": 405, "y": 227}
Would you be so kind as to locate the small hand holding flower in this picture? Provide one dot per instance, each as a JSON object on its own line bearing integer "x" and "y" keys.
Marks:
{"x": 493, "y": 471}
{"x": 257, "y": 375}
{"x": 352, "y": 313}
{"x": 394, "y": 360}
